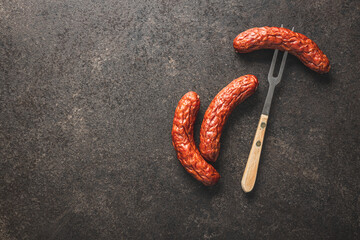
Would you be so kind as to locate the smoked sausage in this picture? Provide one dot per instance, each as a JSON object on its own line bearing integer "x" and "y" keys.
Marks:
{"x": 285, "y": 40}
{"x": 218, "y": 112}
{"x": 184, "y": 144}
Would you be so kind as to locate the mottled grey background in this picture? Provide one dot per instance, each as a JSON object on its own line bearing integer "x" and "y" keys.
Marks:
{"x": 88, "y": 93}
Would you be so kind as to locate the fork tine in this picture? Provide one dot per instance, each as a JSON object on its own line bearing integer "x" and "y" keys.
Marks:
{"x": 273, "y": 62}
{"x": 283, "y": 61}
{"x": 282, "y": 66}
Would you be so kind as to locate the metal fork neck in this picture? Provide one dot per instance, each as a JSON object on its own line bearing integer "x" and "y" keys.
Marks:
{"x": 269, "y": 96}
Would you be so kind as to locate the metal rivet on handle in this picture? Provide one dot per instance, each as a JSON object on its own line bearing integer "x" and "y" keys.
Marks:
{"x": 258, "y": 143}
{"x": 263, "y": 125}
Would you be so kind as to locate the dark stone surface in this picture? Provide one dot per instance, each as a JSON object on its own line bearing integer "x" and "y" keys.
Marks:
{"x": 88, "y": 93}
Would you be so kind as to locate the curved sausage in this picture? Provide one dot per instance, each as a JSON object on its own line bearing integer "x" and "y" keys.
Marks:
{"x": 285, "y": 40}
{"x": 218, "y": 112}
{"x": 184, "y": 144}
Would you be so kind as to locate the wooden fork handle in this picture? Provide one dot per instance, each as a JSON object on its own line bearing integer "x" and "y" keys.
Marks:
{"x": 249, "y": 177}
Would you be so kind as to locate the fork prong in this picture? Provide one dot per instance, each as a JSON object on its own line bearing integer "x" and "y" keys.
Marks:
{"x": 282, "y": 66}
{"x": 273, "y": 62}
{"x": 283, "y": 61}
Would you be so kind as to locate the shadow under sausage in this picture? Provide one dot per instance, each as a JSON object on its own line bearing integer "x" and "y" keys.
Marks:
{"x": 320, "y": 79}
{"x": 259, "y": 56}
{"x": 211, "y": 191}
{"x": 265, "y": 56}
{"x": 249, "y": 105}
{"x": 239, "y": 112}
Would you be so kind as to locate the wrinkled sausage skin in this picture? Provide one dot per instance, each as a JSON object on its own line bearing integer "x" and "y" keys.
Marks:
{"x": 184, "y": 144}
{"x": 218, "y": 112}
{"x": 285, "y": 40}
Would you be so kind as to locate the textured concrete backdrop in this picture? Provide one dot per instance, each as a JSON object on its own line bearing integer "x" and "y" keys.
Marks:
{"x": 88, "y": 91}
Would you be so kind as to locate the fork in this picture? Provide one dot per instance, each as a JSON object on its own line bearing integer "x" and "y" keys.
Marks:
{"x": 249, "y": 177}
